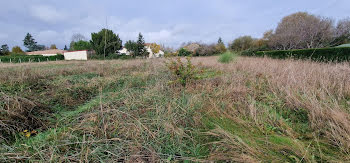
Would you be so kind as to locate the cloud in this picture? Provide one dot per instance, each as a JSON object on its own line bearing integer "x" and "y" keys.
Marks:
{"x": 3, "y": 36}
{"x": 47, "y": 14}
{"x": 160, "y": 21}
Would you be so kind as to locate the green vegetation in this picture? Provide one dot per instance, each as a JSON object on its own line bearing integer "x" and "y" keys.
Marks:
{"x": 183, "y": 52}
{"x": 105, "y": 42}
{"x": 322, "y": 55}
{"x": 14, "y": 58}
{"x": 227, "y": 57}
{"x": 17, "y": 50}
{"x": 4, "y": 50}
{"x": 30, "y": 43}
{"x": 111, "y": 56}
{"x": 183, "y": 72}
{"x": 81, "y": 45}
{"x": 126, "y": 110}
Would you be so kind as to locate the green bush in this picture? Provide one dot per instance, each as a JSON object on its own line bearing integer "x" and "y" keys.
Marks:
{"x": 111, "y": 56}
{"x": 321, "y": 55}
{"x": 227, "y": 57}
{"x": 19, "y": 58}
{"x": 183, "y": 52}
{"x": 184, "y": 72}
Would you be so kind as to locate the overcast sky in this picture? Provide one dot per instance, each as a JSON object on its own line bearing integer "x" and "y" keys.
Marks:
{"x": 169, "y": 22}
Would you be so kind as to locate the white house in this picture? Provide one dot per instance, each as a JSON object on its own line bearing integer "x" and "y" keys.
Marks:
{"x": 124, "y": 51}
{"x": 149, "y": 50}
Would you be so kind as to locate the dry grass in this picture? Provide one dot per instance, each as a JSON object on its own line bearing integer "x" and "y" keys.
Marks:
{"x": 256, "y": 109}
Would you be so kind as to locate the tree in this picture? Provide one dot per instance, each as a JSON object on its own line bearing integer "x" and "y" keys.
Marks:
{"x": 29, "y": 42}
{"x": 4, "y": 50}
{"x": 141, "y": 49}
{"x": 53, "y": 46}
{"x": 82, "y": 45}
{"x": 17, "y": 50}
{"x": 302, "y": 30}
{"x": 242, "y": 43}
{"x": 220, "y": 47}
{"x": 220, "y": 41}
{"x": 78, "y": 37}
{"x": 40, "y": 47}
{"x": 207, "y": 50}
{"x": 131, "y": 46}
{"x": 65, "y": 47}
{"x": 184, "y": 52}
{"x": 105, "y": 42}
{"x": 155, "y": 48}
{"x": 342, "y": 32}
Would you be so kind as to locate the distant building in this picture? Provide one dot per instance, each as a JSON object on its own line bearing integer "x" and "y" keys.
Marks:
{"x": 50, "y": 52}
{"x": 149, "y": 50}
{"x": 124, "y": 51}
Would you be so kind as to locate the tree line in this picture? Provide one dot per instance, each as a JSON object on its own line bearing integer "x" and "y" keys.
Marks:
{"x": 104, "y": 43}
{"x": 300, "y": 30}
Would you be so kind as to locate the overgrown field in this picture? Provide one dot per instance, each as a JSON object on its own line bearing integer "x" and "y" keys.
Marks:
{"x": 250, "y": 110}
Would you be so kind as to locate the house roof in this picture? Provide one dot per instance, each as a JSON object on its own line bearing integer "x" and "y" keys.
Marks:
{"x": 50, "y": 51}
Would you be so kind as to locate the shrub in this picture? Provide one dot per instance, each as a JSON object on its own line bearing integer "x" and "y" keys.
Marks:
{"x": 322, "y": 55}
{"x": 111, "y": 57}
{"x": 17, "y": 50}
{"x": 183, "y": 72}
{"x": 227, "y": 57}
{"x": 183, "y": 52}
{"x": 207, "y": 50}
{"x": 170, "y": 54}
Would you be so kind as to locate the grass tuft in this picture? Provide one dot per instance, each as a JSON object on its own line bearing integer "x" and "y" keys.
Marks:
{"x": 227, "y": 57}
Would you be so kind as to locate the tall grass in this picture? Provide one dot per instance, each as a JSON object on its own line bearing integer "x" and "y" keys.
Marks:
{"x": 255, "y": 110}
{"x": 227, "y": 57}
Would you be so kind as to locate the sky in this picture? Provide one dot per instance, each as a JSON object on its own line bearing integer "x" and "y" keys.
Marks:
{"x": 167, "y": 22}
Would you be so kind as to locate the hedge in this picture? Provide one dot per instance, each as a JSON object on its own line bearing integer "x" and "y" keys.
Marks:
{"x": 111, "y": 56}
{"x": 29, "y": 58}
{"x": 321, "y": 55}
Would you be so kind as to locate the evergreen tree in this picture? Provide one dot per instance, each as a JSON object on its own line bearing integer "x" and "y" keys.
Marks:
{"x": 82, "y": 45}
{"x": 4, "y": 50}
{"x": 105, "y": 42}
{"x": 29, "y": 43}
{"x": 220, "y": 41}
{"x": 220, "y": 47}
{"x": 65, "y": 47}
{"x": 141, "y": 49}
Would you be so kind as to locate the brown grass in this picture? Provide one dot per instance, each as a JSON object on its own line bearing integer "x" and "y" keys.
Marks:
{"x": 241, "y": 103}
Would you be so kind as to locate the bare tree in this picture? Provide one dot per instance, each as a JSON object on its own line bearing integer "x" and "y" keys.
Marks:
{"x": 342, "y": 32}
{"x": 302, "y": 30}
{"x": 78, "y": 37}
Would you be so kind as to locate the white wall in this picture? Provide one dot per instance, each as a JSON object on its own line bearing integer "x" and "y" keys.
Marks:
{"x": 47, "y": 55}
{"x": 76, "y": 55}
{"x": 124, "y": 51}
